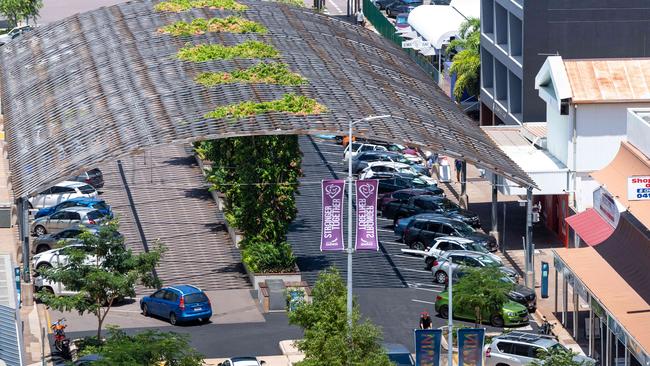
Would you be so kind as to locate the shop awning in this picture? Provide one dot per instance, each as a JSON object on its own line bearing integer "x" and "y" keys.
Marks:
{"x": 590, "y": 226}
{"x": 435, "y": 23}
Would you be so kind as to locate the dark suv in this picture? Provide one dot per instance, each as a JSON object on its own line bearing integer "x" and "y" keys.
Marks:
{"x": 391, "y": 182}
{"x": 426, "y": 228}
{"x": 429, "y": 204}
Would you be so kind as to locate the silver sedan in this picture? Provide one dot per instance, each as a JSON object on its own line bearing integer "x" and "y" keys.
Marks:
{"x": 465, "y": 258}
{"x": 66, "y": 218}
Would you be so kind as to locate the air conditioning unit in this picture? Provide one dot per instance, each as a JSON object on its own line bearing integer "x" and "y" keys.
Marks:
{"x": 6, "y": 220}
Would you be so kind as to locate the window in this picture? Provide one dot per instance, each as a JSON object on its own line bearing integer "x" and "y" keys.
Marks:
{"x": 457, "y": 260}
{"x": 456, "y": 246}
{"x": 463, "y": 228}
{"x": 87, "y": 189}
{"x": 422, "y": 225}
{"x": 489, "y": 262}
{"x": 72, "y": 216}
{"x": 101, "y": 205}
{"x": 433, "y": 227}
{"x": 47, "y": 191}
{"x": 366, "y": 148}
{"x": 69, "y": 233}
{"x": 505, "y": 347}
{"x": 401, "y": 183}
{"x": 472, "y": 262}
{"x": 444, "y": 246}
{"x": 68, "y": 204}
{"x": 521, "y": 350}
{"x": 93, "y": 215}
{"x": 195, "y": 298}
{"x": 159, "y": 294}
{"x": 58, "y": 216}
{"x": 401, "y": 195}
{"x": 447, "y": 230}
{"x": 170, "y": 296}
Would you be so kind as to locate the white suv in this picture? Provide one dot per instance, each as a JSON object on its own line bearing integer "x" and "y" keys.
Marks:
{"x": 519, "y": 348}
{"x": 62, "y": 191}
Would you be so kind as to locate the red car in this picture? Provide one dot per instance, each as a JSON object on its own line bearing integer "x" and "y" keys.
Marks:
{"x": 403, "y": 195}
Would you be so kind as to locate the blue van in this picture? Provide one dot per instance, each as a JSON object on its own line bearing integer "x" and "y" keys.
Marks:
{"x": 181, "y": 303}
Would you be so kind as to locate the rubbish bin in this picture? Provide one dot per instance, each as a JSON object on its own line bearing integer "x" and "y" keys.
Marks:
{"x": 5, "y": 215}
{"x": 277, "y": 300}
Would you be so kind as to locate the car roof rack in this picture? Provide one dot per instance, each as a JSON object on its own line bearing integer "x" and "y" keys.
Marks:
{"x": 524, "y": 337}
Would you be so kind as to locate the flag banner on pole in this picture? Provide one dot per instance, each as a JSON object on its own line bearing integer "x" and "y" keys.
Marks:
{"x": 366, "y": 238}
{"x": 427, "y": 347}
{"x": 331, "y": 237}
{"x": 470, "y": 347}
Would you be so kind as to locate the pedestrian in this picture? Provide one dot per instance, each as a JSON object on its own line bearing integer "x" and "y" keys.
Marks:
{"x": 433, "y": 164}
{"x": 360, "y": 19}
{"x": 425, "y": 320}
{"x": 458, "y": 164}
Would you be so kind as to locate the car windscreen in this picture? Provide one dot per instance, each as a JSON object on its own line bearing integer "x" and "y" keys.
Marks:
{"x": 448, "y": 205}
{"x": 101, "y": 205}
{"x": 94, "y": 215}
{"x": 490, "y": 262}
{"x": 463, "y": 228}
{"x": 86, "y": 189}
{"x": 195, "y": 298}
{"x": 477, "y": 247}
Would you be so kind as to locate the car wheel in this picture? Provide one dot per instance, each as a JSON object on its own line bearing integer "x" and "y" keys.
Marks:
{"x": 172, "y": 319}
{"x": 441, "y": 277}
{"x": 419, "y": 246}
{"x": 40, "y": 230}
{"x": 40, "y": 267}
{"x": 497, "y": 321}
{"x": 444, "y": 311}
{"x": 42, "y": 248}
{"x": 145, "y": 310}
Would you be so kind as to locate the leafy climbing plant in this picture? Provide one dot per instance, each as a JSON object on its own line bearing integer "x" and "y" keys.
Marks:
{"x": 231, "y": 24}
{"x": 291, "y": 103}
{"x": 266, "y": 73}
{"x": 207, "y": 52}
{"x": 177, "y": 6}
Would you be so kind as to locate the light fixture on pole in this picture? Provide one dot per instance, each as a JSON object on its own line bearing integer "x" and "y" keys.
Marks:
{"x": 350, "y": 249}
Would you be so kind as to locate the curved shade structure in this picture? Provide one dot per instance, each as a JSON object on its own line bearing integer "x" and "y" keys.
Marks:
{"x": 435, "y": 23}
{"x": 106, "y": 83}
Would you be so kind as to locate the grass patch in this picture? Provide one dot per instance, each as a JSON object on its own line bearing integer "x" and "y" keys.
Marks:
{"x": 177, "y": 6}
{"x": 207, "y": 52}
{"x": 231, "y": 24}
{"x": 271, "y": 73}
{"x": 290, "y": 103}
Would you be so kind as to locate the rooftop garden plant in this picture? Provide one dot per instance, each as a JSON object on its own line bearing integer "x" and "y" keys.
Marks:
{"x": 207, "y": 52}
{"x": 290, "y": 103}
{"x": 265, "y": 73}
{"x": 231, "y": 24}
{"x": 177, "y": 6}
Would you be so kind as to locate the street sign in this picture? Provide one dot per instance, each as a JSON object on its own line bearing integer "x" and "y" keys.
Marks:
{"x": 545, "y": 268}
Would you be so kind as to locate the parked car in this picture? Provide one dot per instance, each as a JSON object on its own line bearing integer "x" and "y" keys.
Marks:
{"x": 94, "y": 177}
{"x": 242, "y": 361}
{"x": 519, "y": 293}
{"x": 66, "y": 218}
{"x": 403, "y": 195}
{"x": 360, "y": 161}
{"x": 391, "y": 182}
{"x": 15, "y": 32}
{"x": 510, "y": 314}
{"x": 68, "y": 236}
{"x": 357, "y": 148}
{"x": 461, "y": 259}
{"x": 401, "y": 22}
{"x": 88, "y": 360}
{"x": 54, "y": 288}
{"x": 429, "y": 204}
{"x": 376, "y": 167}
{"x": 178, "y": 304}
{"x": 423, "y": 229}
{"x": 402, "y": 6}
{"x": 519, "y": 348}
{"x": 399, "y": 355}
{"x": 58, "y": 257}
{"x": 437, "y": 246}
{"x": 89, "y": 202}
{"x": 382, "y": 4}
{"x": 62, "y": 191}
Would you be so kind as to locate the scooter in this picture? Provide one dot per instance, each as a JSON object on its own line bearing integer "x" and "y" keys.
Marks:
{"x": 546, "y": 328}
{"x": 61, "y": 341}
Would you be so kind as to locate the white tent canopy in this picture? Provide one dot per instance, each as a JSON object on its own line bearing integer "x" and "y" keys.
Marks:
{"x": 435, "y": 23}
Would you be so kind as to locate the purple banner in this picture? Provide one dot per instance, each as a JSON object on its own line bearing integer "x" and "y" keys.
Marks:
{"x": 470, "y": 347}
{"x": 332, "y": 224}
{"x": 366, "y": 215}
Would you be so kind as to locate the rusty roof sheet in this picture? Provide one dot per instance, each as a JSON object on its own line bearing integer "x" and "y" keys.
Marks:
{"x": 609, "y": 80}
{"x": 103, "y": 84}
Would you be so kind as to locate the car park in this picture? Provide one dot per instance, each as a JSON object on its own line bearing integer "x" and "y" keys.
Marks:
{"x": 429, "y": 204}
{"x": 510, "y": 314}
{"x": 180, "y": 303}
{"x": 519, "y": 348}
{"x": 66, "y": 218}
{"x": 403, "y": 195}
{"x": 14, "y": 33}
{"x": 242, "y": 361}
{"x": 94, "y": 177}
{"x": 62, "y": 191}
{"x": 66, "y": 236}
{"x": 398, "y": 354}
{"x": 421, "y": 230}
{"x": 356, "y": 148}
{"x": 461, "y": 259}
{"x": 90, "y": 202}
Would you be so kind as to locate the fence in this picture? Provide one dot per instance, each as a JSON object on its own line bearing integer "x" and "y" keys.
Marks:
{"x": 388, "y": 31}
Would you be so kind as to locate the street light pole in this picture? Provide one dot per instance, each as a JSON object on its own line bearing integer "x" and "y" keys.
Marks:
{"x": 450, "y": 323}
{"x": 350, "y": 245}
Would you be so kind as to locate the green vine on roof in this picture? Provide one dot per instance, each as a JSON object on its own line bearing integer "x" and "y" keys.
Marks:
{"x": 207, "y": 52}
{"x": 266, "y": 73}
{"x": 177, "y": 6}
{"x": 231, "y": 24}
{"x": 290, "y": 103}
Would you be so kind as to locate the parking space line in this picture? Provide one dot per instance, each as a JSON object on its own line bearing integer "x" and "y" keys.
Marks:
{"x": 423, "y": 302}
{"x": 407, "y": 256}
{"x": 412, "y": 270}
{"x": 386, "y": 230}
{"x": 419, "y": 284}
{"x": 332, "y": 153}
{"x": 392, "y": 243}
{"x": 327, "y": 143}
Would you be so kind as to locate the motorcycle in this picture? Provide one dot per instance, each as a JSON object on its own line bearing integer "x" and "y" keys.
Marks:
{"x": 61, "y": 341}
{"x": 546, "y": 328}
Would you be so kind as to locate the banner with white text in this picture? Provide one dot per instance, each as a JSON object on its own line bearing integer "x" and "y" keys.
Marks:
{"x": 332, "y": 192}
{"x": 366, "y": 238}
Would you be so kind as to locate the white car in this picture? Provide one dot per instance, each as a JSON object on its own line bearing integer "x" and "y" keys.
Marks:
{"x": 55, "y": 288}
{"x": 57, "y": 257}
{"x": 392, "y": 167}
{"x": 62, "y": 191}
{"x": 358, "y": 148}
{"x": 242, "y": 361}
{"x": 15, "y": 32}
{"x": 446, "y": 243}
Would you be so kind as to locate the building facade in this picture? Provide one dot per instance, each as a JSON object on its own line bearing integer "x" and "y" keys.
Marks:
{"x": 518, "y": 35}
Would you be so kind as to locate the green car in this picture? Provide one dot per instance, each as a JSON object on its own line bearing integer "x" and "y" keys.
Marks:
{"x": 512, "y": 313}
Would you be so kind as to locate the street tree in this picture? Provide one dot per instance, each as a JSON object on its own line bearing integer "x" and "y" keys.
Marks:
{"x": 559, "y": 356}
{"x": 482, "y": 290}
{"x": 148, "y": 348}
{"x": 101, "y": 270}
{"x": 466, "y": 61}
{"x": 17, "y": 10}
{"x": 328, "y": 340}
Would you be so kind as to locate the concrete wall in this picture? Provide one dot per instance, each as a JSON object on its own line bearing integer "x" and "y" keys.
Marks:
{"x": 559, "y": 132}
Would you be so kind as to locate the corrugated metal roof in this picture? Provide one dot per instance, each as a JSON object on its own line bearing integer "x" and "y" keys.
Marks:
{"x": 105, "y": 83}
{"x": 10, "y": 349}
{"x": 609, "y": 80}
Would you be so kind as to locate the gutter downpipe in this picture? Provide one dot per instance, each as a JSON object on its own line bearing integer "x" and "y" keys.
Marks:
{"x": 574, "y": 142}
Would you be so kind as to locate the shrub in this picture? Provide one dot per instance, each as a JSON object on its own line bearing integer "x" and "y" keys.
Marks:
{"x": 290, "y": 103}
{"x": 267, "y": 73}
{"x": 231, "y": 24}
{"x": 177, "y": 6}
{"x": 265, "y": 257}
{"x": 207, "y": 52}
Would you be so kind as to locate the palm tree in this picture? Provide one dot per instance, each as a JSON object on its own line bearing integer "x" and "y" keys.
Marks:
{"x": 466, "y": 62}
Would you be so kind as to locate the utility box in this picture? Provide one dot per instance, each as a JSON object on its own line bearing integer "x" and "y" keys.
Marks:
{"x": 277, "y": 297}
{"x": 6, "y": 220}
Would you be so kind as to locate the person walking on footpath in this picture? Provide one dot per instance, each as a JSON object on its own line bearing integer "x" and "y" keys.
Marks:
{"x": 425, "y": 321}
{"x": 360, "y": 19}
{"x": 458, "y": 164}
